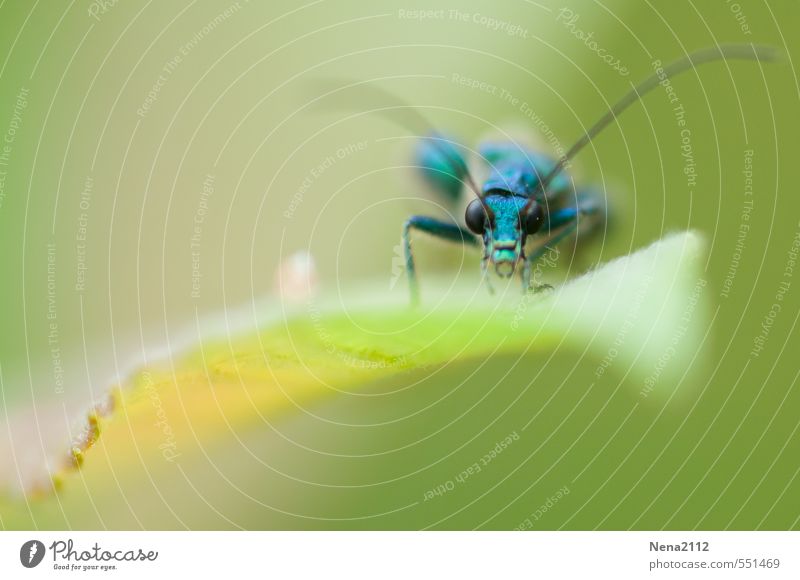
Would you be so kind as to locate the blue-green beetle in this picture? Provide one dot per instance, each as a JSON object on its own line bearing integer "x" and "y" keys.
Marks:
{"x": 527, "y": 194}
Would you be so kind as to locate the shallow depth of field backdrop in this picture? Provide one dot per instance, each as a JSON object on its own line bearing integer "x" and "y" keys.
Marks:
{"x": 159, "y": 162}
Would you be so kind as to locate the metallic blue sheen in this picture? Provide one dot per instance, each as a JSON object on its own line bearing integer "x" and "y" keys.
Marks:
{"x": 442, "y": 164}
{"x": 517, "y": 170}
{"x": 513, "y": 178}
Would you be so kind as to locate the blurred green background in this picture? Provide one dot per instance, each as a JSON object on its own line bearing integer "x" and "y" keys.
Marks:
{"x": 116, "y": 115}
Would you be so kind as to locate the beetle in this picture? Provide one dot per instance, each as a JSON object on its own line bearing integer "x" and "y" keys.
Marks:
{"x": 527, "y": 194}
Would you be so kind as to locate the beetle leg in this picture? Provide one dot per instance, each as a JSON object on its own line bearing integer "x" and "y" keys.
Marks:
{"x": 526, "y": 273}
{"x": 567, "y": 220}
{"x": 485, "y": 275}
{"x": 445, "y": 230}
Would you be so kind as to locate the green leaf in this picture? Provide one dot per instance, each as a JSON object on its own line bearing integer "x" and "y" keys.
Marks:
{"x": 354, "y": 412}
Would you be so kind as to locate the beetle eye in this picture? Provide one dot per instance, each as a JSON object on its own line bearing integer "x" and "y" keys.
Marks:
{"x": 475, "y": 217}
{"x": 534, "y": 219}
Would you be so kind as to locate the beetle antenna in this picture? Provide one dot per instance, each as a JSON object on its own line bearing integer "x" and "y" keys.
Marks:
{"x": 437, "y": 140}
{"x": 690, "y": 61}
{"x": 395, "y": 109}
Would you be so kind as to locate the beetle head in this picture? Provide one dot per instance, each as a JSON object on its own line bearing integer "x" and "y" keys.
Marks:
{"x": 504, "y": 221}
